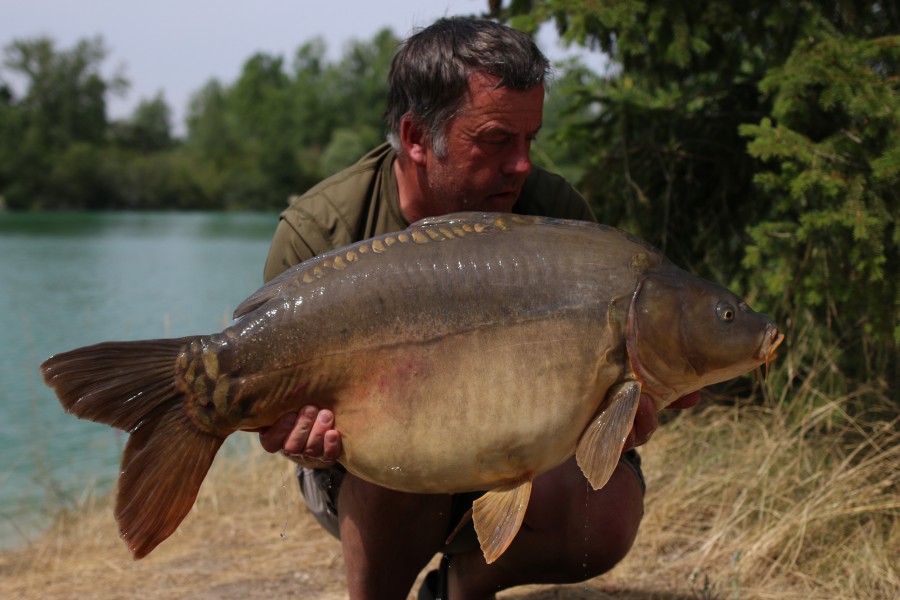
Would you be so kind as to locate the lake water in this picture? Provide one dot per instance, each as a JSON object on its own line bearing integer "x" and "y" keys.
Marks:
{"x": 69, "y": 280}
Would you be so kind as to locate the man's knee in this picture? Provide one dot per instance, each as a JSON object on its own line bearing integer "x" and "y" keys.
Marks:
{"x": 603, "y": 530}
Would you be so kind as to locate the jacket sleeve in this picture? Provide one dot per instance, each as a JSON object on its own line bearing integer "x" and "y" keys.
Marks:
{"x": 311, "y": 226}
{"x": 288, "y": 248}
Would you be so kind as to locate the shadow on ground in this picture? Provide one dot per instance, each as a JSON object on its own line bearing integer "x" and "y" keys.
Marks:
{"x": 587, "y": 593}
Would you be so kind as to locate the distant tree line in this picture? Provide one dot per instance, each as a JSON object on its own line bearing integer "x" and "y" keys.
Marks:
{"x": 275, "y": 131}
{"x": 756, "y": 143}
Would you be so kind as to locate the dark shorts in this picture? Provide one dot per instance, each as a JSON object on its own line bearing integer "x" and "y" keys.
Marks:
{"x": 320, "y": 489}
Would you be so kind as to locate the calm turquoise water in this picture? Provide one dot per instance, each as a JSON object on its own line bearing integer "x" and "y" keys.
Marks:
{"x": 68, "y": 280}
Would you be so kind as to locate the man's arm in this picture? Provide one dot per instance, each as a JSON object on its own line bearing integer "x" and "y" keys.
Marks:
{"x": 289, "y": 247}
{"x": 646, "y": 422}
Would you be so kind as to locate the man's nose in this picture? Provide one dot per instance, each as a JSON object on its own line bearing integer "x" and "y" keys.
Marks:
{"x": 518, "y": 160}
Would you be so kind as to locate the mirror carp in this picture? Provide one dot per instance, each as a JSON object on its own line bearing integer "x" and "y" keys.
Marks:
{"x": 495, "y": 346}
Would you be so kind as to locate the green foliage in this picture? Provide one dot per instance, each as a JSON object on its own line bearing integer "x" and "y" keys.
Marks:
{"x": 667, "y": 161}
{"x": 831, "y": 165}
{"x": 11, "y": 128}
{"x": 66, "y": 98}
{"x": 831, "y": 154}
{"x": 148, "y": 130}
{"x": 756, "y": 143}
{"x": 209, "y": 132}
{"x": 51, "y": 132}
{"x": 345, "y": 147}
{"x": 563, "y": 145}
{"x": 275, "y": 133}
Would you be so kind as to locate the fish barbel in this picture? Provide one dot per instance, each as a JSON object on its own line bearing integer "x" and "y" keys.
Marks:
{"x": 496, "y": 346}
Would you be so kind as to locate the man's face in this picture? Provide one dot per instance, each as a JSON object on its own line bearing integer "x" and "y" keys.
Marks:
{"x": 487, "y": 151}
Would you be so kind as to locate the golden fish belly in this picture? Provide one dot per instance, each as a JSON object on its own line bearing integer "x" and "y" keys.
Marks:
{"x": 475, "y": 409}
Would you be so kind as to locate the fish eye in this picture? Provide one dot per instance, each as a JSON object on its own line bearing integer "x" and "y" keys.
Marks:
{"x": 725, "y": 312}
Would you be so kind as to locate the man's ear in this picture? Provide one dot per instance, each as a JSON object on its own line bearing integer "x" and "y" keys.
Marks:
{"x": 413, "y": 140}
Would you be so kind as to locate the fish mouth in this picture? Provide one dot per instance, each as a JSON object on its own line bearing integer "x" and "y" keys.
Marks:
{"x": 771, "y": 340}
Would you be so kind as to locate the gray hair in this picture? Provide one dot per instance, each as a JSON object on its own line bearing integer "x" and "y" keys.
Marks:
{"x": 429, "y": 76}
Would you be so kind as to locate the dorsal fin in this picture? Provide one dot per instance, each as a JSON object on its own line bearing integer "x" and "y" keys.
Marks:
{"x": 274, "y": 288}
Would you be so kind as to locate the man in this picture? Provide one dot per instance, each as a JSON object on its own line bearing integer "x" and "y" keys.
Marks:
{"x": 465, "y": 102}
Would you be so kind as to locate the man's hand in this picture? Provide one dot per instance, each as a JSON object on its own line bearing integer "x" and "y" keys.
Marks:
{"x": 645, "y": 421}
{"x": 308, "y": 437}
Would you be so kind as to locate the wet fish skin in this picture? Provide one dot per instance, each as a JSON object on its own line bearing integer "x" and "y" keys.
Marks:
{"x": 494, "y": 346}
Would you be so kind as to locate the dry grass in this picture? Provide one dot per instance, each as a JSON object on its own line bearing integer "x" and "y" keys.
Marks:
{"x": 763, "y": 508}
{"x": 743, "y": 503}
{"x": 230, "y": 546}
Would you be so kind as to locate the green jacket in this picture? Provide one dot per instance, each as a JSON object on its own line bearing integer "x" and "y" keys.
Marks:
{"x": 362, "y": 201}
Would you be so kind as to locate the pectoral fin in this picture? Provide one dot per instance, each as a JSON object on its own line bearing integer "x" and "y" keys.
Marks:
{"x": 601, "y": 444}
{"x": 498, "y": 515}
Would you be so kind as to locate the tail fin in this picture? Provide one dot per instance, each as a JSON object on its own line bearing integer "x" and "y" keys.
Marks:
{"x": 131, "y": 386}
